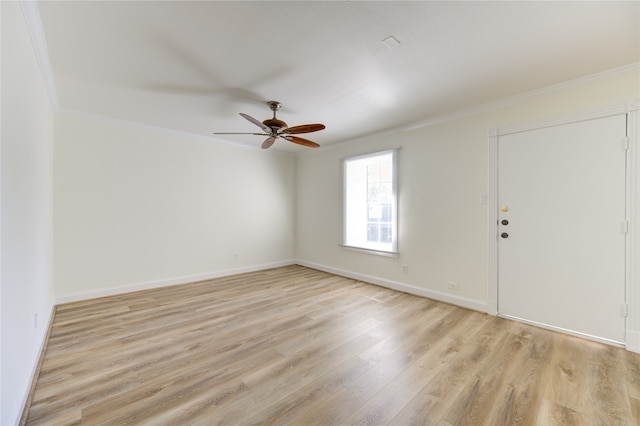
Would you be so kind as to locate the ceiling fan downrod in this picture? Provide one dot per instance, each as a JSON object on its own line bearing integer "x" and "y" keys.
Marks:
{"x": 274, "y": 123}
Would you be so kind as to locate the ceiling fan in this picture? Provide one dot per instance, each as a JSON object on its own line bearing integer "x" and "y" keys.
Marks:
{"x": 274, "y": 129}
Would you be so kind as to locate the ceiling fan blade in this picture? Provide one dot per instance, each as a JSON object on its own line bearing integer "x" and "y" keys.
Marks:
{"x": 235, "y": 133}
{"x": 304, "y": 128}
{"x": 301, "y": 141}
{"x": 257, "y": 123}
{"x": 268, "y": 142}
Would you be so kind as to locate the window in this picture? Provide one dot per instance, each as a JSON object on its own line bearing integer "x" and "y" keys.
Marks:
{"x": 370, "y": 213}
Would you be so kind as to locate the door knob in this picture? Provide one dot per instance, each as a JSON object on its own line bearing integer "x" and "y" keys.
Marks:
{"x": 505, "y": 222}
{"x": 504, "y": 235}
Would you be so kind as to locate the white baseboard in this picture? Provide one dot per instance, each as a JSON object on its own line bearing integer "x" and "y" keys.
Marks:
{"x": 146, "y": 285}
{"x": 476, "y": 305}
{"x": 492, "y": 307}
{"x": 563, "y": 330}
{"x": 633, "y": 341}
{"x": 42, "y": 343}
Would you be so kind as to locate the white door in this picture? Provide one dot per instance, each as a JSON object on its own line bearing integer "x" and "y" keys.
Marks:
{"x": 561, "y": 249}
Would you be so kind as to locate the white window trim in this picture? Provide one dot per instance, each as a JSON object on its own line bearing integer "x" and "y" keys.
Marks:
{"x": 394, "y": 188}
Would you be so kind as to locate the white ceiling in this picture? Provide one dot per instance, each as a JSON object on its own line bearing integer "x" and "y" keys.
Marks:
{"x": 193, "y": 66}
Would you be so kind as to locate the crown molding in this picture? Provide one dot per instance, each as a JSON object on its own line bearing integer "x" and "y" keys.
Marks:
{"x": 500, "y": 103}
{"x": 34, "y": 25}
{"x": 504, "y": 102}
{"x": 120, "y": 122}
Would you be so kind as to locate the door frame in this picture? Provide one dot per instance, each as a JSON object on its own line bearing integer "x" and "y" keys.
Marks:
{"x": 632, "y": 261}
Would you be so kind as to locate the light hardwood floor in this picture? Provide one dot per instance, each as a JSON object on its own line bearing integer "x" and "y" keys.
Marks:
{"x": 297, "y": 346}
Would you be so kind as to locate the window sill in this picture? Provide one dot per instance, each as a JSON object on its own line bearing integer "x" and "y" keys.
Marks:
{"x": 370, "y": 251}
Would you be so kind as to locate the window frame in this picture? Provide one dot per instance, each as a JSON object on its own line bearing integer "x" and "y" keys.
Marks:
{"x": 393, "y": 251}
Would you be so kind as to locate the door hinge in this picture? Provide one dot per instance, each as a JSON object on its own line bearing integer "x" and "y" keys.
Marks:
{"x": 625, "y": 227}
{"x": 625, "y": 310}
{"x": 625, "y": 143}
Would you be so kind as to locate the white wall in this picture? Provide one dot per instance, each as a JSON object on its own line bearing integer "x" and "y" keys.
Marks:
{"x": 138, "y": 207}
{"x": 443, "y": 172}
{"x": 26, "y": 212}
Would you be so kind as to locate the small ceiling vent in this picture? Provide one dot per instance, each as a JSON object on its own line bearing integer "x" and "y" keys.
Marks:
{"x": 391, "y": 42}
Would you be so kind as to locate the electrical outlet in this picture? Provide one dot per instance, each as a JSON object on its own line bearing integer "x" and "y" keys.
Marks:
{"x": 235, "y": 257}
{"x": 453, "y": 286}
{"x": 405, "y": 269}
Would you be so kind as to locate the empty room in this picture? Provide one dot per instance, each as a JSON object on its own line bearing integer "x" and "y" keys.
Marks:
{"x": 315, "y": 212}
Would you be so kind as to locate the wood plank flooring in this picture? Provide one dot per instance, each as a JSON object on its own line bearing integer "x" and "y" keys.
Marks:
{"x": 298, "y": 346}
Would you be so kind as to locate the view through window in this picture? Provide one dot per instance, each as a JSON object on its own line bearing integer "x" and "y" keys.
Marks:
{"x": 370, "y": 201}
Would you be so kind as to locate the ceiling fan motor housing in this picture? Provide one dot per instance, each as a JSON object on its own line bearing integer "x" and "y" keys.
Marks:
{"x": 274, "y": 123}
